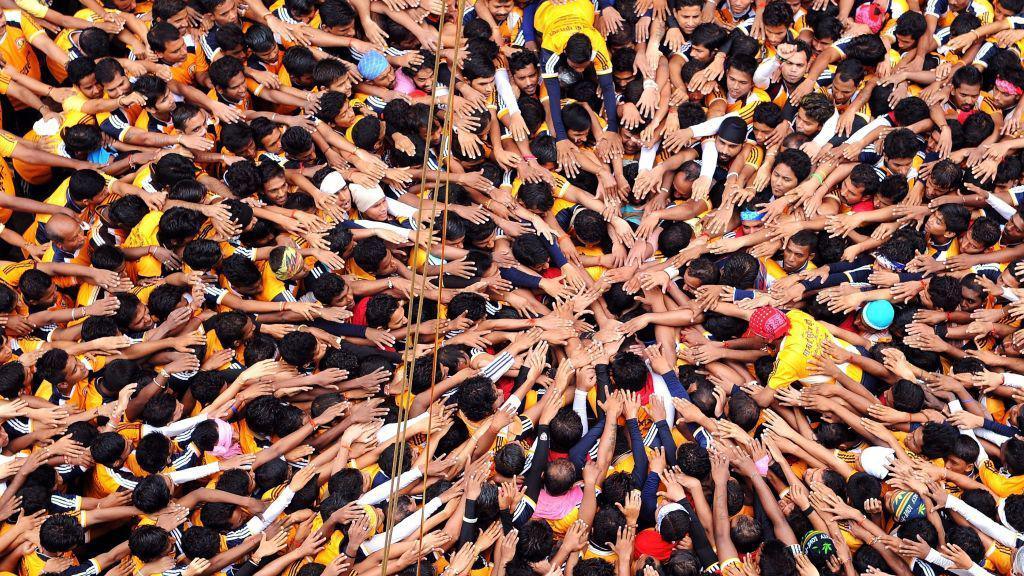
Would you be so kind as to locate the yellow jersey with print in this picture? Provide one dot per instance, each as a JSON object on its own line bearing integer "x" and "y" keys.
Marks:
{"x": 779, "y": 93}
{"x": 755, "y": 156}
{"x": 73, "y": 113}
{"x": 512, "y": 28}
{"x": 559, "y": 22}
{"x": 943, "y": 252}
{"x": 34, "y": 8}
{"x": 11, "y": 272}
{"x": 144, "y": 234}
{"x": 40, "y": 173}
{"x": 16, "y": 49}
{"x": 805, "y": 340}
{"x": 999, "y": 559}
{"x": 743, "y": 107}
{"x": 194, "y": 63}
{"x": 998, "y": 483}
{"x": 151, "y": 123}
{"x": 7, "y": 145}
{"x": 104, "y": 481}
{"x": 85, "y": 396}
{"x": 33, "y": 564}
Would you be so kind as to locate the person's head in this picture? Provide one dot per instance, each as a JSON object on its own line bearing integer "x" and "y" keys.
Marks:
{"x": 372, "y": 256}
{"x": 375, "y": 70}
{"x": 767, "y": 117}
{"x": 228, "y": 79}
{"x": 150, "y": 543}
{"x": 385, "y": 312}
{"x": 868, "y": 49}
{"x": 966, "y": 83}
{"x": 299, "y": 62}
{"x": 110, "y": 74}
{"x": 297, "y": 144}
{"x": 731, "y": 136}
{"x": 933, "y": 440}
{"x": 860, "y": 185}
{"x": 794, "y": 64}
{"x": 159, "y": 99}
{"x": 1012, "y": 453}
{"x": 948, "y": 222}
{"x": 479, "y": 72}
{"x": 846, "y": 81}
{"x": 965, "y": 453}
{"x": 791, "y": 168}
{"x": 628, "y": 372}
{"x": 66, "y": 233}
{"x": 777, "y": 18}
{"x": 739, "y": 75}
{"x": 60, "y": 534}
{"x": 298, "y": 348}
{"x": 579, "y": 51}
{"x": 798, "y": 251}
{"x": 983, "y": 234}
{"x": 559, "y": 476}
{"x": 910, "y": 28}
{"x": 687, "y": 14}
{"x": 336, "y": 110}
{"x": 166, "y": 41}
{"x": 478, "y": 398}
{"x": 814, "y": 110}
{"x": 82, "y": 74}
{"x": 899, "y": 149}
{"x": 531, "y": 251}
{"x": 706, "y": 40}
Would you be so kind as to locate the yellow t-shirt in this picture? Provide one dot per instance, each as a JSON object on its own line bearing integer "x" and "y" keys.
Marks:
{"x": 1000, "y": 485}
{"x": 806, "y": 340}
{"x": 559, "y": 22}
{"x": 144, "y": 234}
{"x": 7, "y": 145}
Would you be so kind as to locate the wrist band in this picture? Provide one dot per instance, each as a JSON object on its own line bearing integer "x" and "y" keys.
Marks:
{"x": 650, "y": 84}
{"x": 817, "y": 176}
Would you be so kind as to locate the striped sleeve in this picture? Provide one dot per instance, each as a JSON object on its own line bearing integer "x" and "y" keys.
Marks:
{"x": 497, "y": 368}
{"x": 123, "y": 480}
{"x": 65, "y": 503}
{"x": 213, "y": 295}
{"x": 551, "y": 66}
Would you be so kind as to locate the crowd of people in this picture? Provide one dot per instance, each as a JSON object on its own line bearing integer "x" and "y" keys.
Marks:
{"x": 512, "y": 288}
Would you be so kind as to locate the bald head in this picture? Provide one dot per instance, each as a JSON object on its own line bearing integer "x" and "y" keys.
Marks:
{"x": 61, "y": 228}
{"x": 66, "y": 233}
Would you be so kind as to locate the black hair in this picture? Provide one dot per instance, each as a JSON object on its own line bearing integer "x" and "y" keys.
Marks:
{"x": 476, "y": 398}
{"x": 61, "y": 533}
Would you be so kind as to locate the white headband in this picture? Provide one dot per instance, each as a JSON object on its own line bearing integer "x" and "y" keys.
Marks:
{"x": 332, "y": 183}
{"x": 665, "y": 511}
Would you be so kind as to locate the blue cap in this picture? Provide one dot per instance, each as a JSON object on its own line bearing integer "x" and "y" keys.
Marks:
{"x": 372, "y": 66}
{"x": 878, "y": 314}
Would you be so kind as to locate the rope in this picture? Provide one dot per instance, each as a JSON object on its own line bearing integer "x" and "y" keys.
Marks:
{"x": 417, "y": 297}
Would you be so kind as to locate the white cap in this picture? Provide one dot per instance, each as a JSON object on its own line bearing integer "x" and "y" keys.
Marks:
{"x": 364, "y": 197}
{"x": 332, "y": 183}
{"x": 875, "y": 461}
